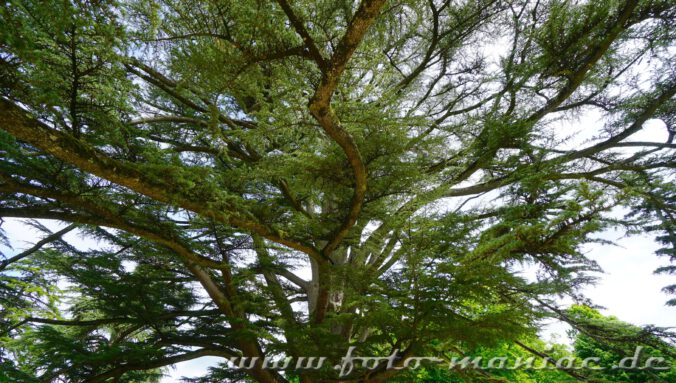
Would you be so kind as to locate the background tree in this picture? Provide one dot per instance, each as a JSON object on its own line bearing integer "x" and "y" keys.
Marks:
{"x": 289, "y": 179}
{"x": 611, "y": 340}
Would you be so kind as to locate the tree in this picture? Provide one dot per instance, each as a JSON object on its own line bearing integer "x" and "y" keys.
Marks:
{"x": 607, "y": 338}
{"x": 290, "y": 179}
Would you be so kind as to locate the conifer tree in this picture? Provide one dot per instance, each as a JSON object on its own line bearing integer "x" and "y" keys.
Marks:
{"x": 286, "y": 179}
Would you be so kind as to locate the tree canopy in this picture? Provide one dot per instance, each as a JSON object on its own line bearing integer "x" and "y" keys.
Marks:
{"x": 290, "y": 179}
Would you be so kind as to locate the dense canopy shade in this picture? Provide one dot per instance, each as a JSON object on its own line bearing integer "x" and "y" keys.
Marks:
{"x": 290, "y": 179}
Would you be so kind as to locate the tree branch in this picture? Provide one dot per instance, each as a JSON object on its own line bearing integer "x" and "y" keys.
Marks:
{"x": 157, "y": 363}
{"x": 320, "y": 108}
{"x": 163, "y": 187}
{"x": 299, "y": 26}
{"x": 38, "y": 245}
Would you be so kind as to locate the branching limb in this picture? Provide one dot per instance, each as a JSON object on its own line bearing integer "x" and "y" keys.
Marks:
{"x": 320, "y": 108}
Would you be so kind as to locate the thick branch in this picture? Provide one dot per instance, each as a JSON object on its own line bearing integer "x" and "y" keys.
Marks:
{"x": 320, "y": 107}
{"x": 164, "y": 187}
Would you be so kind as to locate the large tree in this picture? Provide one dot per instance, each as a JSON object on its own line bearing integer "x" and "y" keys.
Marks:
{"x": 294, "y": 178}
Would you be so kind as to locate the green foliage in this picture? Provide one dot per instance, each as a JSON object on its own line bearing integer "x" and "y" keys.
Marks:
{"x": 275, "y": 179}
{"x": 611, "y": 340}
